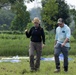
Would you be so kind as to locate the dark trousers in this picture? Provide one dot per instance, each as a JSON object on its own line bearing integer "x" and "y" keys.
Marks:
{"x": 58, "y": 50}
{"x": 35, "y": 48}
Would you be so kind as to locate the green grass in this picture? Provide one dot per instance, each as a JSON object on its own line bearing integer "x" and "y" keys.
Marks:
{"x": 18, "y": 44}
{"x": 46, "y": 68}
{"x": 13, "y": 45}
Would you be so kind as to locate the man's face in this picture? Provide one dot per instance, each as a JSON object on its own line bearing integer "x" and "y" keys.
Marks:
{"x": 61, "y": 24}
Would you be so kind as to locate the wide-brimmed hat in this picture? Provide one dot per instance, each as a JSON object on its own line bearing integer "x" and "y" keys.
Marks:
{"x": 60, "y": 20}
{"x": 37, "y": 20}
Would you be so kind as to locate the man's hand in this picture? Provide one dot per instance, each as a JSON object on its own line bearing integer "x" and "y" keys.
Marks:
{"x": 63, "y": 44}
{"x": 65, "y": 41}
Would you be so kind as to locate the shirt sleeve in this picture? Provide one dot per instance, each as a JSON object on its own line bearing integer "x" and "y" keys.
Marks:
{"x": 28, "y": 34}
{"x": 68, "y": 33}
{"x": 43, "y": 35}
{"x": 56, "y": 36}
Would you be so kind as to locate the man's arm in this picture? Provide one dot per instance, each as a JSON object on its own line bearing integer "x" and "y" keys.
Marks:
{"x": 56, "y": 37}
{"x": 68, "y": 34}
{"x": 65, "y": 41}
{"x": 55, "y": 42}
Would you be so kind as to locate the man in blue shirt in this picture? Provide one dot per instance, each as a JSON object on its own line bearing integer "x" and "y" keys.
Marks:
{"x": 62, "y": 44}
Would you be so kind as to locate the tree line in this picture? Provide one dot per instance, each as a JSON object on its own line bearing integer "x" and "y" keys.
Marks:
{"x": 14, "y": 16}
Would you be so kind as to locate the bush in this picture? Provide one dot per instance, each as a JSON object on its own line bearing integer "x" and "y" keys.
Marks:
{"x": 11, "y": 32}
{"x": 74, "y": 34}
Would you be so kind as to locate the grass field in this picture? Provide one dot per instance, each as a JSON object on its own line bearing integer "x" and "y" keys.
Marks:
{"x": 18, "y": 44}
{"x": 46, "y": 68}
{"x": 13, "y": 44}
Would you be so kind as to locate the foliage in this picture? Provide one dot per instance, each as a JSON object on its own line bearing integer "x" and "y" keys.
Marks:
{"x": 50, "y": 9}
{"x": 63, "y": 11}
{"x": 31, "y": 0}
{"x": 6, "y": 16}
{"x": 4, "y": 27}
{"x": 74, "y": 34}
{"x": 22, "y": 17}
{"x": 73, "y": 13}
{"x": 4, "y": 3}
{"x": 29, "y": 25}
{"x": 35, "y": 12}
{"x": 11, "y": 32}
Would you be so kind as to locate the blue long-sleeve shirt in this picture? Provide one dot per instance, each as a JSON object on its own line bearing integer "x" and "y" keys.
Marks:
{"x": 62, "y": 34}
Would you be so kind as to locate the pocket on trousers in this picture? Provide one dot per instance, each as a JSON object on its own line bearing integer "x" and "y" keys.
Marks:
{"x": 57, "y": 45}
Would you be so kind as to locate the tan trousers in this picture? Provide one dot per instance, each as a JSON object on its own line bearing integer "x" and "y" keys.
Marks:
{"x": 35, "y": 48}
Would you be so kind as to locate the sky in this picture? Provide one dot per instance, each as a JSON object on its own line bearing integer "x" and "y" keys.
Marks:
{"x": 37, "y": 3}
{"x": 34, "y": 4}
{"x": 71, "y": 2}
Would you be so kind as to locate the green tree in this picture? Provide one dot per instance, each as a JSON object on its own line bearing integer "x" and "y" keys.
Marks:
{"x": 73, "y": 13}
{"x": 29, "y": 26}
{"x": 6, "y": 17}
{"x": 63, "y": 11}
{"x": 22, "y": 17}
{"x": 4, "y": 3}
{"x": 49, "y": 12}
{"x": 4, "y": 27}
{"x": 58, "y": 8}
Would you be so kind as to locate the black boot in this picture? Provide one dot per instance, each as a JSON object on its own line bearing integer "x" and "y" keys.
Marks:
{"x": 65, "y": 68}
